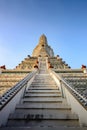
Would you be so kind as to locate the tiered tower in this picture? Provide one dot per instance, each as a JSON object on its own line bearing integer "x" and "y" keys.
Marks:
{"x": 43, "y": 92}
{"x": 43, "y": 49}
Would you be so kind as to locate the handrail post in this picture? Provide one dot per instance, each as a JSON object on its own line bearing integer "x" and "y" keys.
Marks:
{"x": 62, "y": 91}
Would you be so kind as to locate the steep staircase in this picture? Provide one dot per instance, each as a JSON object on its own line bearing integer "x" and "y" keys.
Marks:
{"x": 42, "y": 107}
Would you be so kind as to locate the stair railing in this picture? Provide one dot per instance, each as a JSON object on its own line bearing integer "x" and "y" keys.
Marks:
{"x": 16, "y": 88}
{"x": 12, "y": 97}
{"x": 78, "y": 96}
{"x": 77, "y": 102}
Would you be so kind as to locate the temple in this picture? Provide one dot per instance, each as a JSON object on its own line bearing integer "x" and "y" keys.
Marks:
{"x": 43, "y": 49}
{"x": 43, "y": 92}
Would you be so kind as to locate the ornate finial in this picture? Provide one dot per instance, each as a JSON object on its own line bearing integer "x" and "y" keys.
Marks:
{"x": 43, "y": 49}
{"x": 43, "y": 40}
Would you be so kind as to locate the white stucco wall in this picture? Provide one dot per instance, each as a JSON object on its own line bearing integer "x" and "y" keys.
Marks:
{"x": 10, "y": 107}
{"x": 76, "y": 107}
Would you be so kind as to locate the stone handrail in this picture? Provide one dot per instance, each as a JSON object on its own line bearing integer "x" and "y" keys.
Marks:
{"x": 15, "y": 89}
{"x": 78, "y": 96}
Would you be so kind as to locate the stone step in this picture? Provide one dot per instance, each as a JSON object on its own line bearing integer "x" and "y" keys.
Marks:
{"x": 42, "y": 99}
{"x": 61, "y": 116}
{"x": 49, "y": 127}
{"x": 43, "y": 122}
{"x": 43, "y": 111}
{"x": 43, "y": 91}
{"x": 40, "y": 75}
{"x": 42, "y": 85}
{"x": 41, "y": 103}
{"x": 42, "y": 95}
{"x": 43, "y": 88}
{"x": 44, "y": 76}
{"x": 43, "y": 79}
{"x": 43, "y": 106}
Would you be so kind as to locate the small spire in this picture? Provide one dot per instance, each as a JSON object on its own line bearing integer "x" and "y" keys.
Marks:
{"x": 42, "y": 49}
{"x": 43, "y": 39}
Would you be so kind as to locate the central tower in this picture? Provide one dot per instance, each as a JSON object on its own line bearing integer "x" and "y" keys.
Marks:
{"x": 43, "y": 49}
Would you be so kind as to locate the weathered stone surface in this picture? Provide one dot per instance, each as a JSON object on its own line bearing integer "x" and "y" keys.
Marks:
{"x": 9, "y": 79}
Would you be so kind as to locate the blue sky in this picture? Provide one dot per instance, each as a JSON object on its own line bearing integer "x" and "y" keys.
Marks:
{"x": 22, "y": 22}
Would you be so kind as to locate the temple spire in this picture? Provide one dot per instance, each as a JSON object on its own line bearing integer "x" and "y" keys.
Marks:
{"x": 43, "y": 40}
{"x": 43, "y": 49}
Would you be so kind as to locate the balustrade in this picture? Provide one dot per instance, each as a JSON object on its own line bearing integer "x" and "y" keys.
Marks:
{"x": 12, "y": 91}
{"x": 76, "y": 84}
